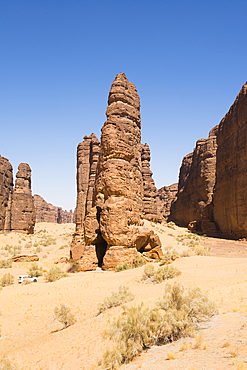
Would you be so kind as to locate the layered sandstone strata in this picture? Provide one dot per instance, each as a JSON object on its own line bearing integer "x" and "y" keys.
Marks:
{"x": 46, "y": 212}
{"x": 196, "y": 185}
{"x": 230, "y": 196}
{"x": 110, "y": 207}
{"x": 165, "y": 197}
{"x": 149, "y": 188}
{"x": 6, "y": 189}
{"x": 22, "y": 207}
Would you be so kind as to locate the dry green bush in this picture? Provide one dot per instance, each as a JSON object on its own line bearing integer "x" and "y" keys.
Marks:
{"x": 116, "y": 299}
{"x": 55, "y": 273}
{"x": 35, "y": 270}
{"x": 73, "y": 267}
{"x": 123, "y": 266}
{"x": 162, "y": 274}
{"x": 138, "y": 261}
{"x": 63, "y": 246}
{"x": 202, "y": 251}
{"x": 6, "y": 264}
{"x": 185, "y": 254}
{"x": 7, "y": 279}
{"x": 169, "y": 257}
{"x": 63, "y": 315}
{"x": 48, "y": 240}
{"x": 138, "y": 328}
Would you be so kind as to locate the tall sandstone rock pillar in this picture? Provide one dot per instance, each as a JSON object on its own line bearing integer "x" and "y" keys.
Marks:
{"x": 6, "y": 189}
{"x": 22, "y": 208}
{"x": 110, "y": 187}
{"x": 230, "y": 197}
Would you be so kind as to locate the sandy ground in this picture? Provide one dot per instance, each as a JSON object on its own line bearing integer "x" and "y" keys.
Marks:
{"x": 33, "y": 340}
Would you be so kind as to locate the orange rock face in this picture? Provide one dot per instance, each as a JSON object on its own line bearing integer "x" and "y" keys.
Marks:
{"x": 6, "y": 189}
{"x": 230, "y": 197}
{"x": 165, "y": 197}
{"x": 46, "y": 212}
{"x": 110, "y": 200}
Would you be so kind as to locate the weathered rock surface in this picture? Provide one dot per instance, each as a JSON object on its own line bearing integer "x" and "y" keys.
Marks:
{"x": 196, "y": 186}
{"x": 46, "y": 212}
{"x": 6, "y": 189}
{"x": 87, "y": 160}
{"x": 110, "y": 183}
{"x": 165, "y": 196}
{"x": 149, "y": 188}
{"x": 25, "y": 258}
{"x": 22, "y": 208}
{"x": 230, "y": 197}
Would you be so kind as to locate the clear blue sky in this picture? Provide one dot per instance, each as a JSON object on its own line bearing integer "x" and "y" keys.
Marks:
{"x": 58, "y": 58}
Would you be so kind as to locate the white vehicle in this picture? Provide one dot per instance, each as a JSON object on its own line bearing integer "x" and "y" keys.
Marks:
{"x": 27, "y": 278}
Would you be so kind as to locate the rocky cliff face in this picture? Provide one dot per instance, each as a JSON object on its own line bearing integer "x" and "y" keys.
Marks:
{"x": 87, "y": 160}
{"x": 109, "y": 217}
{"x": 149, "y": 188}
{"x": 230, "y": 196}
{"x": 22, "y": 208}
{"x": 6, "y": 189}
{"x": 164, "y": 199}
{"x": 46, "y": 212}
{"x": 196, "y": 185}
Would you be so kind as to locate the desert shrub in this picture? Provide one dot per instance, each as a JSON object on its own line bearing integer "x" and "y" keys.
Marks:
{"x": 7, "y": 279}
{"x": 185, "y": 254}
{"x": 63, "y": 315}
{"x": 148, "y": 272}
{"x": 138, "y": 328}
{"x": 202, "y": 251}
{"x": 138, "y": 261}
{"x": 55, "y": 273}
{"x": 123, "y": 266}
{"x": 48, "y": 240}
{"x": 38, "y": 249}
{"x": 35, "y": 270}
{"x": 163, "y": 273}
{"x": 63, "y": 246}
{"x": 169, "y": 257}
{"x": 116, "y": 299}
{"x": 5, "y": 364}
{"x": 6, "y": 264}
{"x": 28, "y": 245}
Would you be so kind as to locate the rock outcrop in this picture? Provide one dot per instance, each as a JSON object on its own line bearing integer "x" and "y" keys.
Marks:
{"x": 230, "y": 196}
{"x": 149, "y": 188}
{"x": 6, "y": 189}
{"x": 110, "y": 187}
{"x": 22, "y": 207}
{"x": 196, "y": 186}
{"x": 165, "y": 197}
{"x": 46, "y": 212}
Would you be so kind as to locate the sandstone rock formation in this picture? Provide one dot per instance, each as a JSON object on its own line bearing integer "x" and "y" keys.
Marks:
{"x": 230, "y": 196}
{"x": 149, "y": 188}
{"x": 46, "y": 212}
{"x": 196, "y": 185}
{"x": 165, "y": 197}
{"x": 6, "y": 189}
{"x": 22, "y": 207}
{"x": 110, "y": 187}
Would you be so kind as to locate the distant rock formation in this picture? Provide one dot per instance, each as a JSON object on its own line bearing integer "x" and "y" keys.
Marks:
{"x": 149, "y": 188}
{"x": 46, "y": 212}
{"x": 165, "y": 196}
{"x": 6, "y": 189}
{"x": 110, "y": 187}
{"x": 213, "y": 179}
{"x": 230, "y": 196}
{"x": 22, "y": 207}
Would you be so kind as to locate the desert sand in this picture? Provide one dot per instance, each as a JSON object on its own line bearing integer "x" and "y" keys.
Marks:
{"x": 33, "y": 340}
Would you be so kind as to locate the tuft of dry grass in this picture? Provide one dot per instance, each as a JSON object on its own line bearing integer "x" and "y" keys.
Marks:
{"x": 116, "y": 299}
{"x": 170, "y": 356}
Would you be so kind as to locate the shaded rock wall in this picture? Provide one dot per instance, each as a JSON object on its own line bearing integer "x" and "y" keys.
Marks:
{"x": 230, "y": 196}
{"x": 110, "y": 186}
{"x": 22, "y": 207}
{"x": 6, "y": 189}
{"x": 165, "y": 196}
{"x": 149, "y": 188}
{"x": 196, "y": 186}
